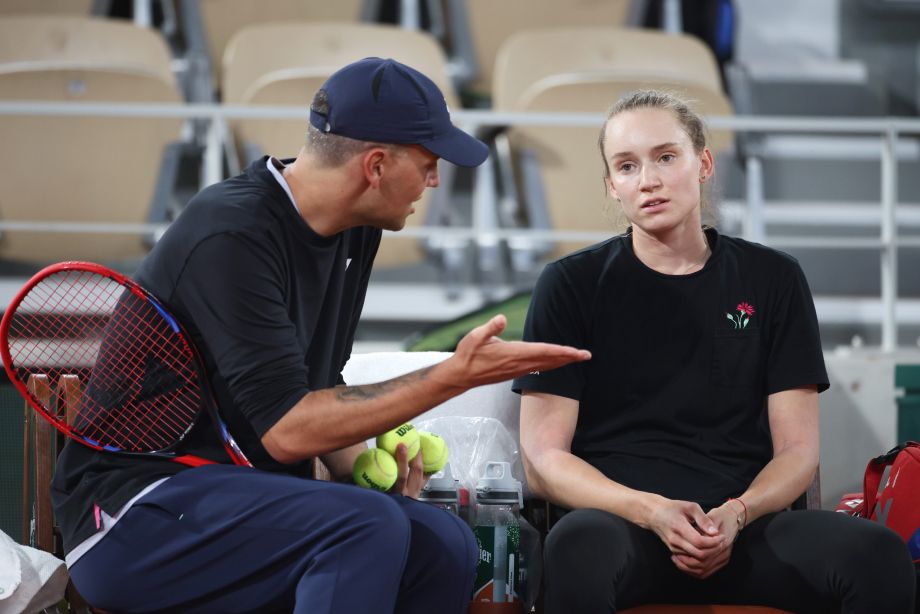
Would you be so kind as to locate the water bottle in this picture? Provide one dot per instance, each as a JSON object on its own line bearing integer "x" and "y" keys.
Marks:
{"x": 442, "y": 491}
{"x": 466, "y": 514}
{"x": 498, "y": 526}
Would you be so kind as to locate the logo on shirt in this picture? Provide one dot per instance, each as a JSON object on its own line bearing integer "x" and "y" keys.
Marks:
{"x": 745, "y": 313}
{"x": 347, "y": 262}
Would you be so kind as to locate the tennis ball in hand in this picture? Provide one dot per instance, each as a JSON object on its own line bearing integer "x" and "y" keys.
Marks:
{"x": 375, "y": 468}
{"x": 405, "y": 434}
{"x": 434, "y": 451}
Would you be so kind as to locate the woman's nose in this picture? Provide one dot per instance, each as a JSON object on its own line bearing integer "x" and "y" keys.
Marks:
{"x": 648, "y": 177}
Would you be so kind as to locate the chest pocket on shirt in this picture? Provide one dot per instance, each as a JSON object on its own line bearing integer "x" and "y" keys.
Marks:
{"x": 736, "y": 358}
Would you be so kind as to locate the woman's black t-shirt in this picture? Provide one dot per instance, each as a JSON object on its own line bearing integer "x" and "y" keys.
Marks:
{"x": 673, "y": 400}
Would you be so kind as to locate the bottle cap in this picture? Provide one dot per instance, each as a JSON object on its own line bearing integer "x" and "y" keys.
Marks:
{"x": 498, "y": 486}
{"x": 441, "y": 487}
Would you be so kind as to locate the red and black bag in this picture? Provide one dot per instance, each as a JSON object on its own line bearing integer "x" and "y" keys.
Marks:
{"x": 897, "y": 506}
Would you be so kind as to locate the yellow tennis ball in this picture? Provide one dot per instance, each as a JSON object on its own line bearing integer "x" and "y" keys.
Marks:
{"x": 434, "y": 451}
{"x": 375, "y": 468}
{"x": 406, "y": 434}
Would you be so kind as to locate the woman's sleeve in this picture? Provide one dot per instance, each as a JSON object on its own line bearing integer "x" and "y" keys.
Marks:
{"x": 556, "y": 315}
{"x": 795, "y": 357}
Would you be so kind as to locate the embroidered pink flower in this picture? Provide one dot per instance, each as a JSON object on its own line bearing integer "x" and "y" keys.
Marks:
{"x": 746, "y": 308}
{"x": 745, "y": 311}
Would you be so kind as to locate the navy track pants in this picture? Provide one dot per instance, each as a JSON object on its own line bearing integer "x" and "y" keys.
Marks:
{"x": 227, "y": 539}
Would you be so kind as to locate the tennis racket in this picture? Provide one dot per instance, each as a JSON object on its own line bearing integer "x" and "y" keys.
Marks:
{"x": 145, "y": 382}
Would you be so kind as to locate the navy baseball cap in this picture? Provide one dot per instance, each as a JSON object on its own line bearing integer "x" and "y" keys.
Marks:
{"x": 382, "y": 100}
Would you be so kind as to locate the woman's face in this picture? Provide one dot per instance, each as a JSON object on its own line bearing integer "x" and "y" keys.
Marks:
{"x": 654, "y": 170}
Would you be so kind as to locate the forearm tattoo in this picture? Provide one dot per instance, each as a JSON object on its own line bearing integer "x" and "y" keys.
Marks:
{"x": 367, "y": 392}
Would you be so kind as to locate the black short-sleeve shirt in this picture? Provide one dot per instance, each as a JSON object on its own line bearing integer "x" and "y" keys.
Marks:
{"x": 673, "y": 400}
{"x": 272, "y": 307}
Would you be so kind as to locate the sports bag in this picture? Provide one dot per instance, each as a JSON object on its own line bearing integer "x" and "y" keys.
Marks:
{"x": 897, "y": 506}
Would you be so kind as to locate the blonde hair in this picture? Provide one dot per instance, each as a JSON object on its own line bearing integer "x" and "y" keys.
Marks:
{"x": 689, "y": 120}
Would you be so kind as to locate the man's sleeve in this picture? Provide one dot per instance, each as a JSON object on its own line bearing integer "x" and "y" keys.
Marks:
{"x": 231, "y": 288}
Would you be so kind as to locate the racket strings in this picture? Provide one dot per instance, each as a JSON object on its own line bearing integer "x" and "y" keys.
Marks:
{"x": 45, "y": 334}
{"x": 155, "y": 402}
{"x": 142, "y": 391}
{"x": 144, "y": 383}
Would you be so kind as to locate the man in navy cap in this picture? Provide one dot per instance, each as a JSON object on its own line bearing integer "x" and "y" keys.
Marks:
{"x": 268, "y": 271}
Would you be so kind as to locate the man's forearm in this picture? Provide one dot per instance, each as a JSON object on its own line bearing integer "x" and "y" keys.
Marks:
{"x": 326, "y": 420}
{"x": 335, "y": 418}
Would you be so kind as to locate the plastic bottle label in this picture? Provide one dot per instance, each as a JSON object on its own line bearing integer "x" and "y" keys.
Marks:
{"x": 498, "y": 571}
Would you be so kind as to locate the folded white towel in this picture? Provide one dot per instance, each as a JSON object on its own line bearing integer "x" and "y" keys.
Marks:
{"x": 30, "y": 580}
{"x": 491, "y": 401}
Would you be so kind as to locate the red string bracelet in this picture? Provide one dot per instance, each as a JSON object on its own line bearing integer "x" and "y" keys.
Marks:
{"x": 742, "y": 521}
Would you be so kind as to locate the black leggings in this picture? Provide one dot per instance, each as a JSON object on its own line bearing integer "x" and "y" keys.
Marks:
{"x": 801, "y": 561}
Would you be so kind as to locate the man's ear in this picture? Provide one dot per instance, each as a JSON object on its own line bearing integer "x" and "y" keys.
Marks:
{"x": 372, "y": 165}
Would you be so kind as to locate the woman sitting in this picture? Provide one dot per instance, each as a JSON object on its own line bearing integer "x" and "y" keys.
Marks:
{"x": 695, "y": 425}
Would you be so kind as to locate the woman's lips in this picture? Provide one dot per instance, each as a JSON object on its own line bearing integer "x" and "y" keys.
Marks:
{"x": 654, "y": 204}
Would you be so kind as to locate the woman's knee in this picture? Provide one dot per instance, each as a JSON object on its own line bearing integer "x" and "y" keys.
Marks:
{"x": 584, "y": 538}
{"x": 581, "y": 532}
{"x": 584, "y": 555}
{"x": 845, "y": 540}
{"x": 862, "y": 562}
{"x": 879, "y": 561}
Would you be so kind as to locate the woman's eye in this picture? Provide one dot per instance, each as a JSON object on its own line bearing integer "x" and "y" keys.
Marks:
{"x": 668, "y": 157}
{"x": 626, "y": 167}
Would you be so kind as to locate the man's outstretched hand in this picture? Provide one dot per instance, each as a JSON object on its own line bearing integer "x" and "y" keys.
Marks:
{"x": 482, "y": 358}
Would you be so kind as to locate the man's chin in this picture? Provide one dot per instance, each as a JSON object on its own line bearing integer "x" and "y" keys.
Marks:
{"x": 396, "y": 226}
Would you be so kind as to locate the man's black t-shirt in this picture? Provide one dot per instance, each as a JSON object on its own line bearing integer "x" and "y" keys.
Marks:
{"x": 272, "y": 307}
{"x": 673, "y": 400}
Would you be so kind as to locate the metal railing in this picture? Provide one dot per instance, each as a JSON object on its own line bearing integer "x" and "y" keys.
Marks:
{"x": 483, "y": 228}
